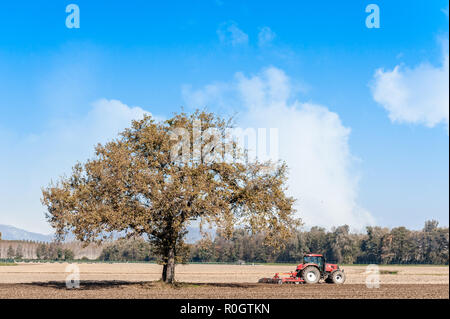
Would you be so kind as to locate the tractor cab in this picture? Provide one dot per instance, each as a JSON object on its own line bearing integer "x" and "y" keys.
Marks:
{"x": 319, "y": 261}
{"x": 316, "y": 259}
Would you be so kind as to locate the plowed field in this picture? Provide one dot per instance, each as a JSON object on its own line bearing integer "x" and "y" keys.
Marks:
{"x": 214, "y": 281}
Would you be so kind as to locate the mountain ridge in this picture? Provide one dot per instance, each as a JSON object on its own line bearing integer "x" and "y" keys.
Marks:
{"x": 13, "y": 233}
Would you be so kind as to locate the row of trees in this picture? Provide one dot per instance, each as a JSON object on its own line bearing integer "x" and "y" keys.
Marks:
{"x": 44, "y": 251}
{"x": 53, "y": 251}
{"x": 136, "y": 249}
{"x": 379, "y": 245}
{"x": 14, "y": 253}
{"x": 27, "y": 249}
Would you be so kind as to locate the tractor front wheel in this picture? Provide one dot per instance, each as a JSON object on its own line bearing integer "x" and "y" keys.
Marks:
{"x": 311, "y": 275}
{"x": 338, "y": 277}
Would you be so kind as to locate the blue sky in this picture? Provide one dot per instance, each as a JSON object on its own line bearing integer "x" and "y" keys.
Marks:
{"x": 60, "y": 90}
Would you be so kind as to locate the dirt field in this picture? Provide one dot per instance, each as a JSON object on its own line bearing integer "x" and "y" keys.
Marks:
{"x": 213, "y": 281}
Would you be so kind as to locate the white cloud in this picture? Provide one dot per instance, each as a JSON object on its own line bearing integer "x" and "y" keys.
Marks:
{"x": 230, "y": 34}
{"x": 265, "y": 36}
{"x": 39, "y": 158}
{"x": 418, "y": 95}
{"x": 312, "y": 140}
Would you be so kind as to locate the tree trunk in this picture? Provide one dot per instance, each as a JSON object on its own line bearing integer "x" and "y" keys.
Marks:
{"x": 168, "y": 274}
{"x": 164, "y": 272}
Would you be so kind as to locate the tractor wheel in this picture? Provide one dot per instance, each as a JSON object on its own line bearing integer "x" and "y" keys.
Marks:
{"x": 311, "y": 275}
{"x": 338, "y": 277}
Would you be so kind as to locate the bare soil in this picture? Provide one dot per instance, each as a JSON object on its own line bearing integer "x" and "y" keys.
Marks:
{"x": 155, "y": 290}
{"x": 214, "y": 281}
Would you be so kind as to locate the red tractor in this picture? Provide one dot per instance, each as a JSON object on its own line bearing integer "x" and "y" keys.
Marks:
{"x": 310, "y": 271}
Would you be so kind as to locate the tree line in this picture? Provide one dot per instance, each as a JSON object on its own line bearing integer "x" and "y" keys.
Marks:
{"x": 379, "y": 245}
{"x": 54, "y": 251}
{"x": 18, "y": 250}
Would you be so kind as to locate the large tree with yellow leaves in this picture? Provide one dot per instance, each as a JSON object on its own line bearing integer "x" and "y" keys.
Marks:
{"x": 159, "y": 176}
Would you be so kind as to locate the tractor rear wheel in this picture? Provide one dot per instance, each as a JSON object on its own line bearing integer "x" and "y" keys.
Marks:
{"x": 338, "y": 277}
{"x": 311, "y": 275}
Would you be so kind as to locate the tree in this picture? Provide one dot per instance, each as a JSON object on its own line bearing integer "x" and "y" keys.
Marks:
{"x": 136, "y": 249}
{"x": 372, "y": 245}
{"x": 401, "y": 246}
{"x": 152, "y": 180}
{"x": 342, "y": 245}
{"x": 430, "y": 225}
{"x": 19, "y": 252}
{"x": 52, "y": 251}
{"x": 59, "y": 253}
{"x": 434, "y": 243}
{"x": 203, "y": 250}
{"x": 68, "y": 254}
{"x": 10, "y": 252}
{"x": 316, "y": 240}
{"x": 41, "y": 251}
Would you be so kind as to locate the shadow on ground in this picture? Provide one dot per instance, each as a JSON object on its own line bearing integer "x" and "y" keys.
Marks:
{"x": 84, "y": 285}
{"x": 114, "y": 284}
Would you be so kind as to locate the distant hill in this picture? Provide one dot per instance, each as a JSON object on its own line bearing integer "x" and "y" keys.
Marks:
{"x": 14, "y": 233}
